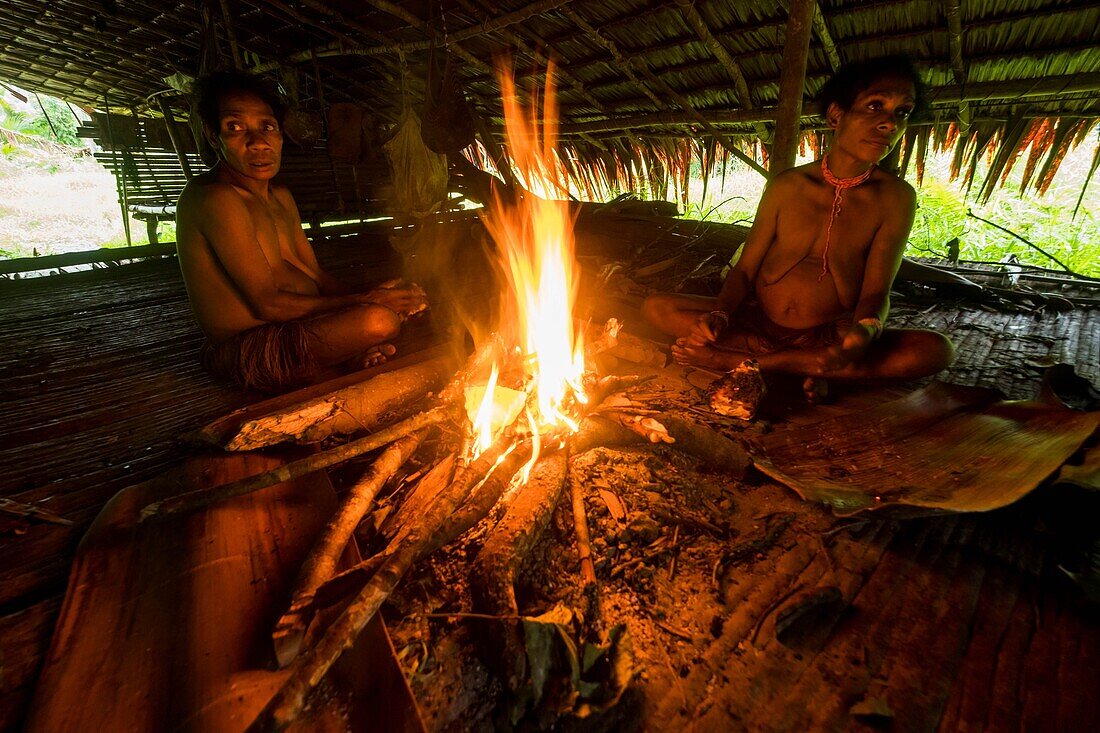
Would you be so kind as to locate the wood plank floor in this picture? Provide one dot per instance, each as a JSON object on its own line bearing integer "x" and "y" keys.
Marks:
{"x": 99, "y": 378}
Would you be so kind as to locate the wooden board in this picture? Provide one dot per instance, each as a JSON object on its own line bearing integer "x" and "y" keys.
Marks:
{"x": 166, "y": 624}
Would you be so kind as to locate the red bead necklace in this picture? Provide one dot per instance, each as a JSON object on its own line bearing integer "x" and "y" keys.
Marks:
{"x": 838, "y": 184}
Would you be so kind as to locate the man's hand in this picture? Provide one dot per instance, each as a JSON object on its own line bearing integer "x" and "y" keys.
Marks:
{"x": 404, "y": 299}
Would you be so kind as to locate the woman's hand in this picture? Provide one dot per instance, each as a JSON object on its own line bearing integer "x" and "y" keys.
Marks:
{"x": 851, "y": 349}
{"x": 404, "y": 299}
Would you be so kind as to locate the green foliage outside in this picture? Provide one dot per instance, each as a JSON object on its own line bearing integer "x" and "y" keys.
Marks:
{"x": 57, "y": 124}
{"x": 51, "y": 203}
{"x": 945, "y": 208}
{"x": 63, "y": 129}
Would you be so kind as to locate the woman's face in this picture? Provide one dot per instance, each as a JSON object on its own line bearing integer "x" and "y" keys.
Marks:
{"x": 872, "y": 126}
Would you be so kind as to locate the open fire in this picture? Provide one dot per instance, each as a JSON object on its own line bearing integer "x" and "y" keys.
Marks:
{"x": 526, "y": 388}
{"x": 540, "y": 365}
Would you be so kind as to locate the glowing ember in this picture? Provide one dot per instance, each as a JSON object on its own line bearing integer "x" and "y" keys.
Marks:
{"x": 534, "y": 235}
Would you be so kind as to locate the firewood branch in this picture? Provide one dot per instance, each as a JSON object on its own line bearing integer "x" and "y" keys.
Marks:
{"x": 416, "y": 541}
{"x": 321, "y": 563}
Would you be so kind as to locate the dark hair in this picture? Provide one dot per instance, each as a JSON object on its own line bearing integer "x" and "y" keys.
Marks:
{"x": 851, "y": 79}
{"x": 207, "y": 93}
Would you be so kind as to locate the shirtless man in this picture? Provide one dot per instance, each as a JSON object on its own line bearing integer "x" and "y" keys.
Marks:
{"x": 811, "y": 291}
{"x": 273, "y": 318}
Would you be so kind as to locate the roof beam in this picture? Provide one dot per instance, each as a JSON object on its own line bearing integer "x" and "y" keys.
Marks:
{"x": 696, "y": 21}
{"x": 520, "y": 43}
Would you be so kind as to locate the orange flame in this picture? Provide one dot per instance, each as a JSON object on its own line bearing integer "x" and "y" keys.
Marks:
{"x": 534, "y": 235}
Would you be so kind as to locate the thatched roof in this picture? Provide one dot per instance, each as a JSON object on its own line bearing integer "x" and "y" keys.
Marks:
{"x": 637, "y": 77}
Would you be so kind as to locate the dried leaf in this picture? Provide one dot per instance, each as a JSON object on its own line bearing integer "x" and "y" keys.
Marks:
{"x": 539, "y": 633}
{"x": 619, "y": 657}
{"x": 598, "y": 673}
{"x": 614, "y": 504}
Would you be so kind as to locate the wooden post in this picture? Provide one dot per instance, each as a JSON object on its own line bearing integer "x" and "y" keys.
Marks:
{"x": 796, "y": 48}
{"x": 120, "y": 172}
{"x": 173, "y": 135}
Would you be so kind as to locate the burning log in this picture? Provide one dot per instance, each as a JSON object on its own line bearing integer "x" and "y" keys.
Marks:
{"x": 711, "y": 447}
{"x": 321, "y": 563}
{"x": 486, "y": 494}
{"x": 511, "y": 541}
{"x": 502, "y": 556}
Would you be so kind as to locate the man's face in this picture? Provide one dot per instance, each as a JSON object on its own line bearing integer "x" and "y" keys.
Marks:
{"x": 248, "y": 139}
{"x": 877, "y": 119}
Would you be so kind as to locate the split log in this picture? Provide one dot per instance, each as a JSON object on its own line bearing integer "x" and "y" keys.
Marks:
{"x": 500, "y": 559}
{"x": 222, "y": 431}
{"x": 423, "y": 495}
{"x": 346, "y": 411}
{"x": 321, "y": 563}
{"x": 486, "y": 495}
{"x": 194, "y": 500}
{"x": 310, "y": 667}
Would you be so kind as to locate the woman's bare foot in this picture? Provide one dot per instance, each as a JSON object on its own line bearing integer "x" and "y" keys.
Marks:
{"x": 705, "y": 356}
{"x": 379, "y": 354}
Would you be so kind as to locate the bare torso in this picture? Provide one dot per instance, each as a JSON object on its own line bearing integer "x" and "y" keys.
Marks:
{"x": 219, "y": 304}
{"x": 789, "y": 284}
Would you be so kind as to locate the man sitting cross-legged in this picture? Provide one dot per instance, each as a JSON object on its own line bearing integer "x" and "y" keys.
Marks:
{"x": 273, "y": 318}
{"x": 811, "y": 290}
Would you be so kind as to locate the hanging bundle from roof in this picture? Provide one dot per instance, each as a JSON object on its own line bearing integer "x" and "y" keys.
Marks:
{"x": 419, "y": 175}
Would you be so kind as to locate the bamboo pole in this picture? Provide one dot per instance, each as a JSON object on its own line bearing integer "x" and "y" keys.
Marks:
{"x": 958, "y": 65}
{"x": 227, "y": 18}
{"x": 792, "y": 80}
